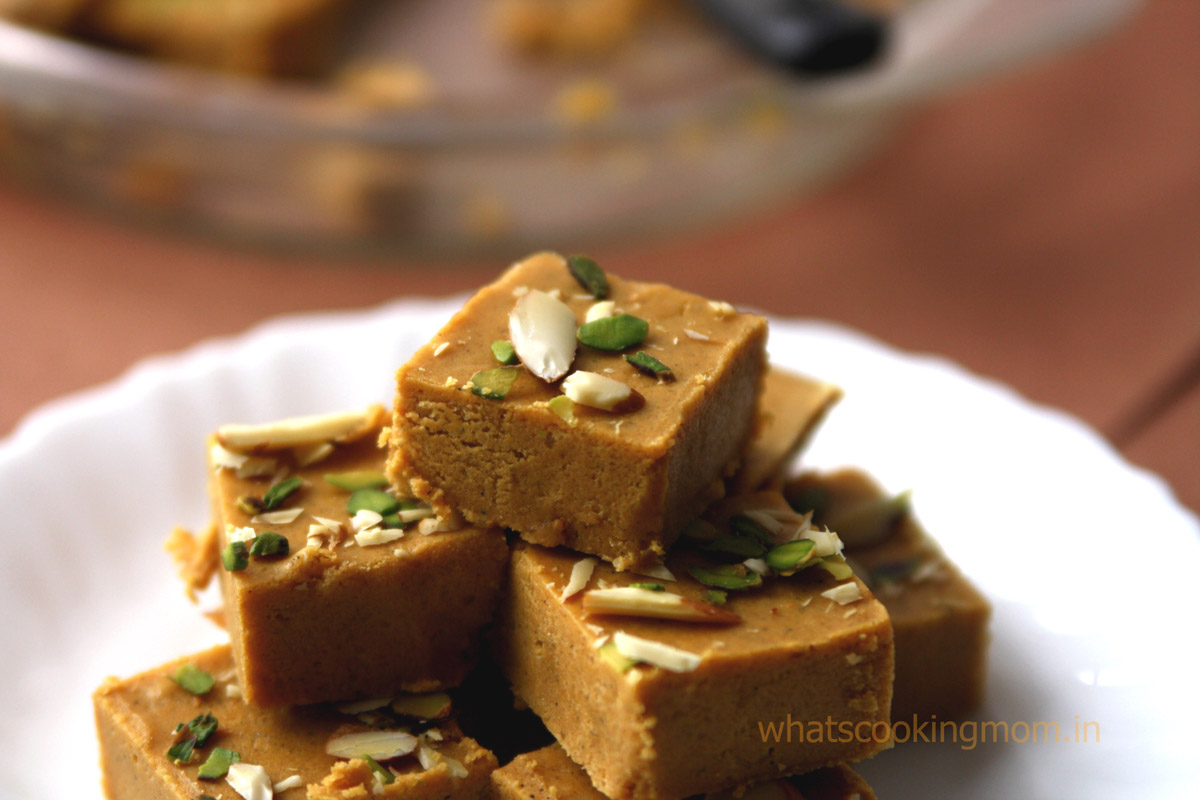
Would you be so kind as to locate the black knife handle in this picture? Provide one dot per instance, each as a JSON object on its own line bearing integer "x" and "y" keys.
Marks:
{"x": 814, "y": 37}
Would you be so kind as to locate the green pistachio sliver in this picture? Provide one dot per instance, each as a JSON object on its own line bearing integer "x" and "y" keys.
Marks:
{"x": 203, "y": 727}
{"x": 381, "y": 503}
{"x": 620, "y": 662}
{"x": 650, "y": 587}
{"x": 357, "y": 479}
{"x": 269, "y": 543}
{"x": 218, "y": 763}
{"x": 280, "y": 492}
{"x": 206, "y": 797}
{"x": 893, "y": 571}
{"x": 644, "y": 362}
{"x": 193, "y": 679}
{"x": 235, "y": 557}
{"x": 743, "y": 526}
{"x": 716, "y": 597}
{"x": 726, "y": 577}
{"x": 791, "y": 555}
{"x": 614, "y": 334}
{"x": 383, "y": 773}
{"x": 181, "y": 752}
{"x": 504, "y": 352}
{"x": 701, "y": 530}
{"x": 249, "y": 504}
{"x": 835, "y": 566}
{"x": 494, "y": 384}
{"x": 737, "y": 546}
{"x": 563, "y": 407}
{"x": 589, "y": 274}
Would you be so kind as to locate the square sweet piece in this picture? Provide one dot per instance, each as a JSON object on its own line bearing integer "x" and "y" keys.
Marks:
{"x": 549, "y": 774}
{"x": 940, "y": 619}
{"x": 617, "y": 485}
{"x": 356, "y": 607}
{"x": 659, "y": 709}
{"x": 284, "y": 748}
{"x": 790, "y": 409}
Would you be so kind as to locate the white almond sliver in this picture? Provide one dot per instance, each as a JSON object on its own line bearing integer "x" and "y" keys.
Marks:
{"x": 656, "y": 654}
{"x": 290, "y": 782}
{"x": 225, "y": 459}
{"x": 661, "y": 572}
{"x": 281, "y": 517}
{"x": 542, "y": 330}
{"x": 250, "y": 781}
{"x": 827, "y": 543}
{"x": 295, "y": 431}
{"x": 632, "y": 601}
{"x": 379, "y": 745}
{"x": 595, "y": 390}
{"x": 414, "y": 514}
{"x": 843, "y": 593}
{"x": 233, "y": 534}
{"x": 308, "y": 455}
{"x": 365, "y": 518}
{"x": 256, "y": 467}
{"x": 601, "y": 310}
{"x": 581, "y": 573}
{"x": 699, "y": 337}
{"x": 756, "y": 565}
{"x": 374, "y": 536}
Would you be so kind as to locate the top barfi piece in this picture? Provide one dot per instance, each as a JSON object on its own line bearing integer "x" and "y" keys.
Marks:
{"x": 617, "y": 483}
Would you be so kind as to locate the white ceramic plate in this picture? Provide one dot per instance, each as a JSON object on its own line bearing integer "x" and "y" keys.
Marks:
{"x": 1090, "y": 562}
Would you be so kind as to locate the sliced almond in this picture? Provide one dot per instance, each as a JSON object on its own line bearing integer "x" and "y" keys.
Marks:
{"x": 630, "y": 601}
{"x": 599, "y": 391}
{"x": 379, "y": 745}
{"x": 656, "y": 654}
{"x": 844, "y": 593}
{"x": 659, "y": 571}
{"x": 290, "y": 782}
{"x": 542, "y": 330}
{"x": 605, "y": 308}
{"x": 280, "y": 517}
{"x": 310, "y": 454}
{"x": 297, "y": 431}
{"x": 250, "y": 781}
{"x": 431, "y": 705}
{"x": 581, "y": 573}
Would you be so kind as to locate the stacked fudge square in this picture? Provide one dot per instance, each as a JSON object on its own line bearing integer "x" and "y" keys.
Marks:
{"x": 583, "y": 495}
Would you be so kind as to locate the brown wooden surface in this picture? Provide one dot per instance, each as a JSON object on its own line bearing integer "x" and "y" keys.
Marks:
{"x": 1041, "y": 229}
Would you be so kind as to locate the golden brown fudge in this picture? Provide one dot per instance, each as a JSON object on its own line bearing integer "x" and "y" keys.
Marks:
{"x": 791, "y": 408}
{"x": 656, "y": 709}
{"x": 286, "y": 748}
{"x": 49, "y": 14}
{"x": 549, "y": 774}
{"x": 260, "y": 37}
{"x": 940, "y": 619}
{"x": 356, "y": 608}
{"x": 618, "y": 485}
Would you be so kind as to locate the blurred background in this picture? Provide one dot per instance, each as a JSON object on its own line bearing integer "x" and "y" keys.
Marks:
{"x": 1014, "y": 184}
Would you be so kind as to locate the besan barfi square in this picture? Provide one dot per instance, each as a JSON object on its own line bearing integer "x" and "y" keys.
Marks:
{"x": 668, "y": 685}
{"x": 335, "y": 588}
{"x": 579, "y": 409}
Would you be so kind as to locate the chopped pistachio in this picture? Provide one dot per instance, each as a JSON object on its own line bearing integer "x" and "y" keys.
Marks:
{"x": 235, "y": 557}
{"x": 729, "y": 576}
{"x": 653, "y": 587}
{"x": 494, "y": 384}
{"x": 589, "y": 274}
{"x": 269, "y": 543}
{"x": 381, "y": 503}
{"x": 193, "y": 679}
{"x": 203, "y": 727}
{"x": 609, "y": 652}
{"x": 738, "y": 546}
{"x": 181, "y": 752}
{"x": 835, "y": 566}
{"x": 791, "y": 555}
{"x": 746, "y": 527}
{"x": 280, "y": 492}
{"x": 564, "y": 407}
{"x": 357, "y": 479}
{"x": 249, "y": 504}
{"x": 644, "y": 362}
{"x": 716, "y": 596}
{"x": 218, "y": 764}
{"x": 384, "y": 774}
{"x": 504, "y": 352}
{"x": 614, "y": 334}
